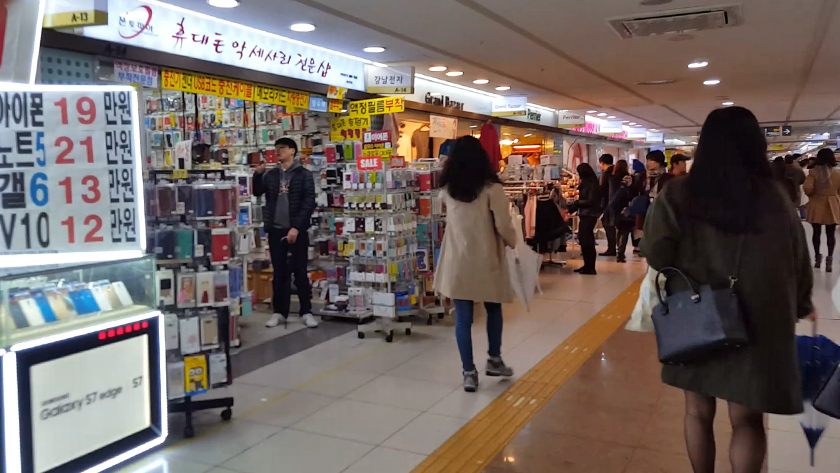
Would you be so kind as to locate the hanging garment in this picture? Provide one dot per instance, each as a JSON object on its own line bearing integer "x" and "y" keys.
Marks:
{"x": 490, "y": 142}
{"x": 446, "y": 148}
{"x": 420, "y": 141}
{"x": 530, "y": 216}
{"x": 549, "y": 224}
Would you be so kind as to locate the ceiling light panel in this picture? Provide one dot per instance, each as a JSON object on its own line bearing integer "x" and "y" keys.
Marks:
{"x": 438, "y": 68}
{"x": 481, "y": 81}
{"x": 374, "y": 49}
{"x": 454, "y": 73}
{"x": 223, "y": 3}
{"x": 302, "y": 27}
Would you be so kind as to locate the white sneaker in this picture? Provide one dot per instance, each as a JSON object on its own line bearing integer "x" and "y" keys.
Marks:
{"x": 309, "y": 321}
{"x": 274, "y": 320}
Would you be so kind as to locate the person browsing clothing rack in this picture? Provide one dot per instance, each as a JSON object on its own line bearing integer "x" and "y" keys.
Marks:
{"x": 290, "y": 201}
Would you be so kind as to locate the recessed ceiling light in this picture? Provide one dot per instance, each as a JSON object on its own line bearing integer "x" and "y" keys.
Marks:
{"x": 503, "y": 87}
{"x": 473, "y": 126}
{"x": 602, "y": 114}
{"x": 592, "y": 111}
{"x": 454, "y": 73}
{"x": 653, "y": 129}
{"x": 611, "y": 117}
{"x": 437, "y": 68}
{"x": 529, "y": 134}
{"x": 727, "y": 104}
{"x": 564, "y": 110}
{"x": 698, "y": 64}
{"x": 626, "y": 121}
{"x": 302, "y": 27}
{"x": 632, "y": 123}
{"x": 223, "y": 3}
{"x": 711, "y": 82}
{"x": 480, "y": 81}
{"x": 374, "y": 49}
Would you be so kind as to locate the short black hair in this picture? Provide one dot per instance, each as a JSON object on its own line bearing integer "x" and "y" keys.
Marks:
{"x": 606, "y": 159}
{"x": 657, "y": 156}
{"x": 287, "y": 142}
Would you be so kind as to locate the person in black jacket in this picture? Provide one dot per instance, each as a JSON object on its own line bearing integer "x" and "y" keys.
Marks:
{"x": 290, "y": 201}
{"x": 620, "y": 201}
{"x": 608, "y": 188}
{"x": 589, "y": 209}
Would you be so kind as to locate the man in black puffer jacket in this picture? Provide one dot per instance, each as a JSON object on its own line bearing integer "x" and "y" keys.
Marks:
{"x": 290, "y": 201}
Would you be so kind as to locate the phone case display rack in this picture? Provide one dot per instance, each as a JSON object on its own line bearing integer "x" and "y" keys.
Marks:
{"x": 431, "y": 223}
{"x": 192, "y": 226}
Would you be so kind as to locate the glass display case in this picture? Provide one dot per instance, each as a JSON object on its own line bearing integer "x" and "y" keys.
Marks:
{"x": 41, "y": 303}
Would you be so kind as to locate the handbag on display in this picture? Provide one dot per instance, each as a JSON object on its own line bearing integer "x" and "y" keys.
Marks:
{"x": 696, "y": 325}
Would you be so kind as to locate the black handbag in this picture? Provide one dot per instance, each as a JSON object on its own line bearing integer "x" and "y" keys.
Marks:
{"x": 699, "y": 324}
{"x": 828, "y": 400}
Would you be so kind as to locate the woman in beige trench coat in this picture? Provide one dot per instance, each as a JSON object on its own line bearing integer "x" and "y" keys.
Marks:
{"x": 472, "y": 266}
{"x": 823, "y": 189}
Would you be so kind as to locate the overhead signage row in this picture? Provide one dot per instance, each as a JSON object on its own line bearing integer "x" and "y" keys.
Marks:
{"x": 508, "y": 106}
{"x": 777, "y": 131}
{"x": 389, "y": 80}
{"x": 75, "y": 13}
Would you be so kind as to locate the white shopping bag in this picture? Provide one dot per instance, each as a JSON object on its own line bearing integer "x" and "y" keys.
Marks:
{"x": 640, "y": 319}
{"x": 524, "y": 267}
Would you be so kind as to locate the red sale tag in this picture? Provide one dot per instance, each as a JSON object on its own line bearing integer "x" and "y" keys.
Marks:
{"x": 369, "y": 163}
{"x": 397, "y": 162}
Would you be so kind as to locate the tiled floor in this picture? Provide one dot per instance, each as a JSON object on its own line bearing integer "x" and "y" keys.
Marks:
{"x": 353, "y": 406}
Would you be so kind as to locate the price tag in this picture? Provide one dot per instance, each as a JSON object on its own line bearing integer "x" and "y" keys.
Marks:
{"x": 69, "y": 172}
{"x": 180, "y": 174}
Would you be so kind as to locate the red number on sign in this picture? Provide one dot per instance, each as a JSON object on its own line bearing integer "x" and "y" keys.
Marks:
{"x": 92, "y": 184}
{"x": 88, "y": 143}
{"x": 97, "y": 226}
{"x": 62, "y": 104}
{"x": 86, "y": 108}
{"x": 68, "y": 193}
{"x": 71, "y": 234}
{"x": 62, "y": 156}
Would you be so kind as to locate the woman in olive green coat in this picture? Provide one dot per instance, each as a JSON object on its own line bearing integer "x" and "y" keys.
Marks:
{"x": 695, "y": 225}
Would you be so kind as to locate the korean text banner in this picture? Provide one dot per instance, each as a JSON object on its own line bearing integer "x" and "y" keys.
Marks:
{"x": 178, "y": 31}
{"x": 348, "y": 128}
{"x": 377, "y": 106}
{"x": 69, "y": 171}
{"x": 204, "y": 84}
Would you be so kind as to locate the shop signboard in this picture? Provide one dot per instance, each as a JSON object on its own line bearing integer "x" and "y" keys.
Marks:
{"x": 772, "y": 131}
{"x": 205, "y": 84}
{"x": 134, "y": 73}
{"x": 348, "y": 128}
{"x": 369, "y": 163}
{"x": 570, "y": 120}
{"x": 443, "y": 127}
{"x": 382, "y": 136}
{"x": 75, "y": 13}
{"x": 335, "y": 106}
{"x": 636, "y": 133}
{"x": 379, "y": 106}
{"x": 170, "y": 29}
{"x": 509, "y": 106}
{"x": 318, "y": 104}
{"x": 70, "y": 171}
{"x": 389, "y": 80}
{"x": 20, "y": 33}
{"x": 654, "y": 137}
{"x": 441, "y": 94}
{"x": 610, "y": 127}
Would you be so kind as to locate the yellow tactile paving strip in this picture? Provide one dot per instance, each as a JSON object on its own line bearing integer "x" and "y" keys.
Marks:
{"x": 473, "y": 447}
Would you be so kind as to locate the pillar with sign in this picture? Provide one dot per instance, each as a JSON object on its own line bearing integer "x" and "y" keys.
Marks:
{"x": 81, "y": 339}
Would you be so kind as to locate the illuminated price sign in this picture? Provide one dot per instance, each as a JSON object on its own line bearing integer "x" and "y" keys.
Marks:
{"x": 369, "y": 163}
{"x": 69, "y": 173}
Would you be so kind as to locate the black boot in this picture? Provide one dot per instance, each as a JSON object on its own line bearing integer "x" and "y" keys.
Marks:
{"x": 589, "y": 256}
{"x": 818, "y": 261}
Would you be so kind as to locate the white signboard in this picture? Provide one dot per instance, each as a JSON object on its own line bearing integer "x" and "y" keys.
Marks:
{"x": 510, "y": 106}
{"x": 652, "y": 137}
{"x": 443, "y": 127}
{"x": 70, "y": 173}
{"x": 104, "y": 391}
{"x": 389, "y": 80}
{"x": 636, "y": 133}
{"x": 173, "y": 30}
{"x": 570, "y": 120}
{"x": 610, "y": 127}
{"x": 20, "y": 25}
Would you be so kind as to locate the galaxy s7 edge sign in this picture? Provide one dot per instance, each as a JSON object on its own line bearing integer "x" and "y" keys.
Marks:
{"x": 106, "y": 387}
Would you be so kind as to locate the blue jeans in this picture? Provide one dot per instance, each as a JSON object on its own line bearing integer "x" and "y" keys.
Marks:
{"x": 463, "y": 330}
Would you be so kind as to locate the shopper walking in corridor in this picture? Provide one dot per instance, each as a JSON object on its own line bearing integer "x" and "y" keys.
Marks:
{"x": 608, "y": 185}
{"x": 588, "y": 207}
{"x": 697, "y": 224}
{"x": 472, "y": 266}
{"x": 823, "y": 189}
{"x": 617, "y": 206}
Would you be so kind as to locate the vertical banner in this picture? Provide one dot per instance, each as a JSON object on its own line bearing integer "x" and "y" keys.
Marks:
{"x": 70, "y": 173}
